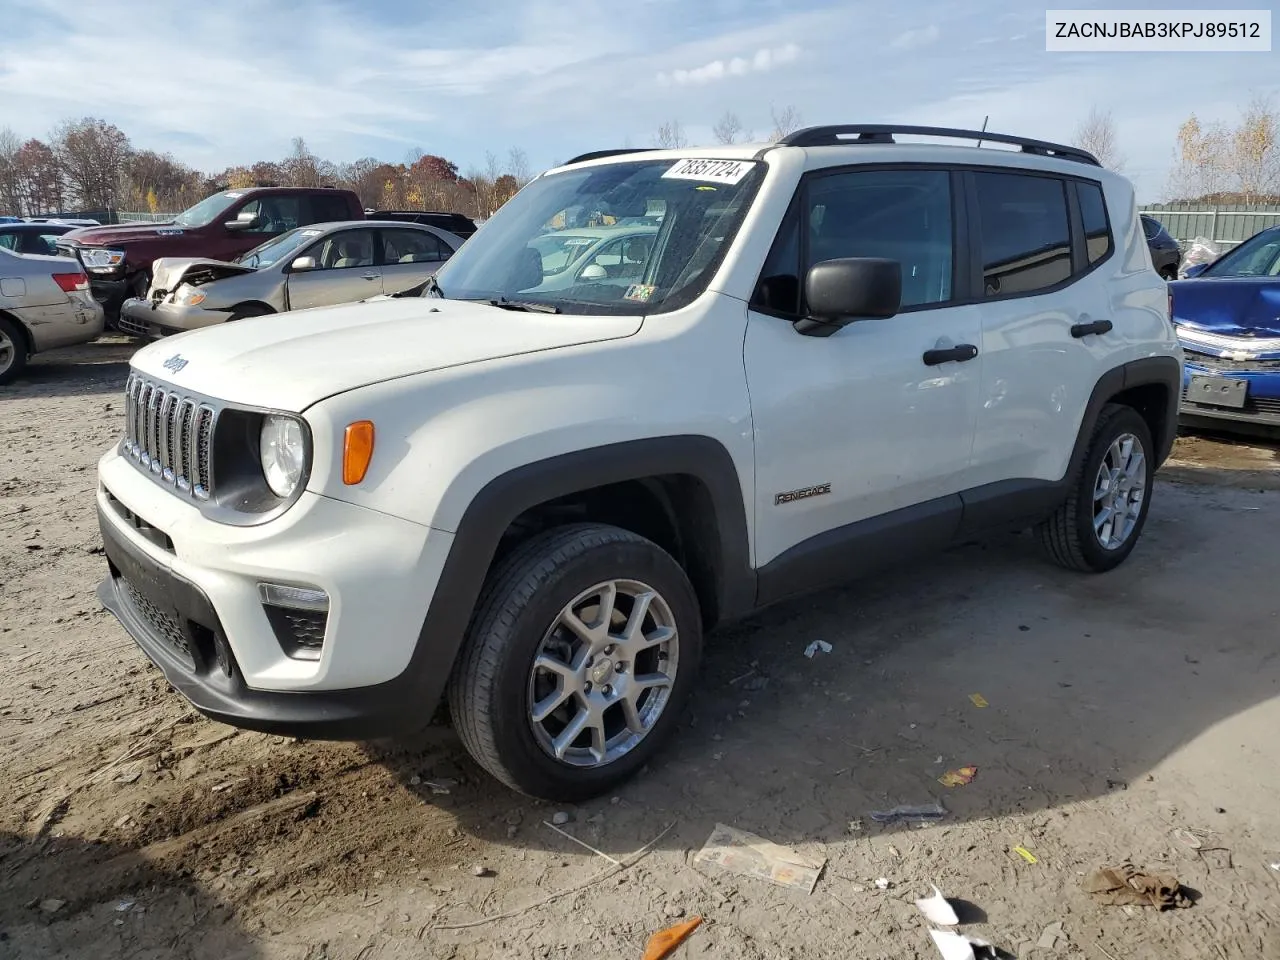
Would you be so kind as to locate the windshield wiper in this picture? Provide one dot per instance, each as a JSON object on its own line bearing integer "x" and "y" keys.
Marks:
{"x": 527, "y": 306}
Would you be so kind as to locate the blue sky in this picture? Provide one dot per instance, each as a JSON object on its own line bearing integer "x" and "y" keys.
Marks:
{"x": 233, "y": 81}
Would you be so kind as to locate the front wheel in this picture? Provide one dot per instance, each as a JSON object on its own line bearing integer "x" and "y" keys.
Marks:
{"x": 1106, "y": 509}
{"x": 579, "y": 659}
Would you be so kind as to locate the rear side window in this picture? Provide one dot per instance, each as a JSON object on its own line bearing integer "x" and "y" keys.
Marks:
{"x": 1026, "y": 243}
{"x": 327, "y": 208}
{"x": 412, "y": 246}
{"x": 1093, "y": 215}
{"x": 1149, "y": 227}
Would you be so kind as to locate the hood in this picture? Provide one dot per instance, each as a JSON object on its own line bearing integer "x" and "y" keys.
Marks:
{"x": 168, "y": 272}
{"x": 121, "y": 233}
{"x": 289, "y": 361}
{"x": 1246, "y": 307}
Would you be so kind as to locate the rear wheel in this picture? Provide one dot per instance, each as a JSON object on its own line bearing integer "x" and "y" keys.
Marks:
{"x": 1099, "y": 524}
{"x": 580, "y": 656}
{"x": 13, "y": 351}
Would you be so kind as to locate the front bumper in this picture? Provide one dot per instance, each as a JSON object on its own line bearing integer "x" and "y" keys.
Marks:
{"x": 1262, "y": 398}
{"x": 149, "y": 318}
{"x": 186, "y": 589}
{"x": 110, "y": 293}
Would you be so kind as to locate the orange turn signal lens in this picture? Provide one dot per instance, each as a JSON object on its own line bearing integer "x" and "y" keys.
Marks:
{"x": 357, "y": 451}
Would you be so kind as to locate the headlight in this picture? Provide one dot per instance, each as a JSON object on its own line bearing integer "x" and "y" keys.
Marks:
{"x": 188, "y": 296}
{"x": 282, "y": 448}
{"x": 101, "y": 260}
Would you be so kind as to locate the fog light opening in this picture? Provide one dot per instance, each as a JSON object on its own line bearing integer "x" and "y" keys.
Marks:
{"x": 294, "y": 598}
{"x": 299, "y": 617}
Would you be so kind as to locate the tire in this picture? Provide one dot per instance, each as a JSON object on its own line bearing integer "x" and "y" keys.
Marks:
{"x": 495, "y": 684}
{"x": 13, "y": 350}
{"x": 243, "y": 313}
{"x": 1071, "y": 536}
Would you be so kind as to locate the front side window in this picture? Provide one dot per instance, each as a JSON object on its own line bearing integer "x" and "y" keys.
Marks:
{"x": 345, "y": 249}
{"x": 902, "y": 215}
{"x": 9, "y": 241}
{"x": 1093, "y": 215}
{"x": 274, "y": 214}
{"x": 1259, "y": 256}
{"x": 535, "y": 249}
{"x": 1026, "y": 243}
{"x": 1150, "y": 228}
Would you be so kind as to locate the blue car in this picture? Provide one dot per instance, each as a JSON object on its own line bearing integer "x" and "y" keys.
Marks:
{"x": 1228, "y": 319}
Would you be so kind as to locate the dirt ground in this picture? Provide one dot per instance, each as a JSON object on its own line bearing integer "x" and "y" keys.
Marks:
{"x": 1131, "y": 717}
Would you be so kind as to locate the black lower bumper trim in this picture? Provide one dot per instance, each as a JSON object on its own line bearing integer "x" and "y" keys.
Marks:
{"x": 207, "y": 673}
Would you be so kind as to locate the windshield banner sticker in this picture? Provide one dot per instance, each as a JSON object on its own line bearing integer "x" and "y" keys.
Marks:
{"x": 717, "y": 171}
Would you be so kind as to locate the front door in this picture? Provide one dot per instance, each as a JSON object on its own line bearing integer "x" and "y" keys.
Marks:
{"x": 344, "y": 271}
{"x": 870, "y": 421}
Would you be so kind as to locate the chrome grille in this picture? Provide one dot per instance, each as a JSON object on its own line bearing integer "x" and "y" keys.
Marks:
{"x": 169, "y": 435}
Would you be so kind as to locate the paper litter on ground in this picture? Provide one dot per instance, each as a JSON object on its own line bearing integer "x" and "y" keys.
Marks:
{"x": 750, "y": 856}
{"x": 818, "y": 645}
{"x": 957, "y": 946}
{"x": 937, "y": 910}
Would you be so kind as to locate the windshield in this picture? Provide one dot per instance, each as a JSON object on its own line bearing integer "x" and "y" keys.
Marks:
{"x": 1258, "y": 256}
{"x": 277, "y": 248}
{"x": 629, "y": 237}
{"x": 206, "y": 211}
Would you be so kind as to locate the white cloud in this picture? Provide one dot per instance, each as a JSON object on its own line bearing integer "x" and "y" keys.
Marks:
{"x": 912, "y": 39}
{"x": 762, "y": 61}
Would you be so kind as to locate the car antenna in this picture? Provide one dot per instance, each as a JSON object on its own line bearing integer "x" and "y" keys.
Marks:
{"x": 984, "y": 127}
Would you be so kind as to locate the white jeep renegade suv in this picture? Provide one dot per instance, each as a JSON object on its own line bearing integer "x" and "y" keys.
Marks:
{"x": 533, "y": 488}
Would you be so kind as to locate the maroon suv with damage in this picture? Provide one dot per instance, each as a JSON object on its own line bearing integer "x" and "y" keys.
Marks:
{"x": 221, "y": 227}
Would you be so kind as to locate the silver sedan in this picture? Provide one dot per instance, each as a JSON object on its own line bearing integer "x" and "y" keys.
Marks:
{"x": 311, "y": 266}
{"x": 44, "y": 303}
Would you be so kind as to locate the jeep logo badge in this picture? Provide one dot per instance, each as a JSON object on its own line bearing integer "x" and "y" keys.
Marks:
{"x": 175, "y": 363}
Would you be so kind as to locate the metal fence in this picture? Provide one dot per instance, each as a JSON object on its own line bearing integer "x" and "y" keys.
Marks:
{"x": 1225, "y": 224}
{"x": 125, "y": 216}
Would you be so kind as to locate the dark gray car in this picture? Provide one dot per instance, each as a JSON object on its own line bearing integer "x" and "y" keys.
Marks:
{"x": 311, "y": 266}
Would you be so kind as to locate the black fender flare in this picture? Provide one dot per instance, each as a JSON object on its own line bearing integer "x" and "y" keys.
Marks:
{"x": 1136, "y": 373}
{"x": 507, "y": 496}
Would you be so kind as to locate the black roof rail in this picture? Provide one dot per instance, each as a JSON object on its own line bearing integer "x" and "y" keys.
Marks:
{"x": 884, "y": 133}
{"x": 600, "y": 154}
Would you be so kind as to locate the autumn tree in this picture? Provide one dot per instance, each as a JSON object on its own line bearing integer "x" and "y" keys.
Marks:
{"x": 1097, "y": 134}
{"x": 39, "y": 178}
{"x": 93, "y": 156}
{"x": 173, "y": 185}
{"x": 10, "y": 183}
{"x": 1254, "y": 156}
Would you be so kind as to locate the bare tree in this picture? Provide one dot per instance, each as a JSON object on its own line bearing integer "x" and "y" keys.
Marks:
{"x": 10, "y": 182}
{"x": 787, "y": 120}
{"x": 94, "y": 157}
{"x": 727, "y": 129}
{"x": 518, "y": 166}
{"x": 670, "y": 136}
{"x": 1097, "y": 134}
{"x": 302, "y": 167}
{"x": 39, "y": 178}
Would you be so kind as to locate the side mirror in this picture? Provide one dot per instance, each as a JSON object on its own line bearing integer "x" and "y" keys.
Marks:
{"x": 593, "y": 271}
{"x": 1193, "y": 271}
{"x": 244, "y": 221}
{"x": 302, "y": 264}
{"x": 839, "y": 292}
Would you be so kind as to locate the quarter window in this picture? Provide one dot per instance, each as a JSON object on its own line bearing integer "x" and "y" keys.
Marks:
{"x": 1026, "y": 244}
{"x": 1093, "y": 214}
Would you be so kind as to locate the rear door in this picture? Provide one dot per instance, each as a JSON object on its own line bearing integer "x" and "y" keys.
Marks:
{"x": 345, "y": 270}
{"x": 1037, "y": 242}
{"x": 409, "y": 256}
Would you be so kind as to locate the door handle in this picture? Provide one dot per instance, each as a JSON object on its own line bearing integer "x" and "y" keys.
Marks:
{"x": 371, "y": 276}
{"x": 1079, "y": 330}
{"x": 959, "y": 353}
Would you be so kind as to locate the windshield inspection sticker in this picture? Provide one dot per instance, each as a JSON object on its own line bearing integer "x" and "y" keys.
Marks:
{"x": 639, "y": 292}
{"x": 717, "y": 171}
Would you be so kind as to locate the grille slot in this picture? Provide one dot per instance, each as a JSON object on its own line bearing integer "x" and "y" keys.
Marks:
{"x": 1227, "y": 363}
{"x": 170, "y": 436}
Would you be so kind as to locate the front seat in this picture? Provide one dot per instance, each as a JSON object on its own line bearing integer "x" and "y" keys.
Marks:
{"x": 349, "y": 254}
